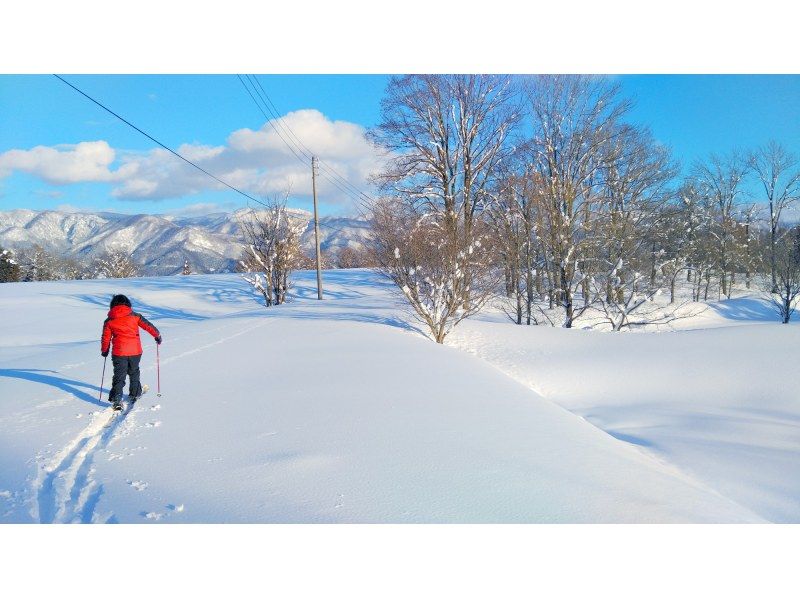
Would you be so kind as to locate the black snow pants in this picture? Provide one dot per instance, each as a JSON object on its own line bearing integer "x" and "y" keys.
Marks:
{"x": 125, "y": 366}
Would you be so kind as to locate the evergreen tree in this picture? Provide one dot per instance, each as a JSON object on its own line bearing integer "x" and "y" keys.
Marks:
{"x": 9, "y": 269}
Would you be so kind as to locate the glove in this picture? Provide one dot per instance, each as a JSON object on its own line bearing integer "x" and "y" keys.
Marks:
{"x": 158, "y": 339}
{"x": 104, "y": 353}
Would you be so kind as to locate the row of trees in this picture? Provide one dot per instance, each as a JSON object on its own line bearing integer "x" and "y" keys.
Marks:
{"x": 36, "y": 264}
{"x": 544, "y": 185}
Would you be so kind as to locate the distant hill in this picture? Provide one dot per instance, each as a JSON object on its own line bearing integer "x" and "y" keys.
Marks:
{"x": 211, "y": 243}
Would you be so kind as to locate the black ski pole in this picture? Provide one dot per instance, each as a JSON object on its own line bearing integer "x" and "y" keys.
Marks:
{"x": 102, "y": 379}
{"x": 158, "y": 370}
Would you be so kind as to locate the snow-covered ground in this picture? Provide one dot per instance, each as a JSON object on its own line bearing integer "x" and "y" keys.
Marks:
{"x": 717, "y": 399}
{"x": 341, "y": 411}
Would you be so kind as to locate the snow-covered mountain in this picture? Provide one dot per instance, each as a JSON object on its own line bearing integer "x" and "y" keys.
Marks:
{"x": 211, "y": 243}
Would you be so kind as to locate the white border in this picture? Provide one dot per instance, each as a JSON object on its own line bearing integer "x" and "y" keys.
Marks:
{"x": 400, "y": 560}
{"x": 352, "y": 36}
{"x": 408, "y": 36}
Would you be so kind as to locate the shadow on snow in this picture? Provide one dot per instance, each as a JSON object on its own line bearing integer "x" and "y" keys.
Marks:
{"x": 746, "y": 309}
{"x": 71, "y": 386}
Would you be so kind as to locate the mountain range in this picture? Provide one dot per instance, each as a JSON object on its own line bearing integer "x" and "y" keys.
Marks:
{"x": 161, "y": 243}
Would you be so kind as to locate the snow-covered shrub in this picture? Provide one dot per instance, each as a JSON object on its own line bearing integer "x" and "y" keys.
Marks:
{"x": 443, "y": 278}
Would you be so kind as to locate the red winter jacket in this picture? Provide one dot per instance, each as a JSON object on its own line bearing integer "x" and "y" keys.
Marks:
{"x": 122, "y": 325}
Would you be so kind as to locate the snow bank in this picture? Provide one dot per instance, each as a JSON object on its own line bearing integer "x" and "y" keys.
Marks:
{"x": 721, "y": 404}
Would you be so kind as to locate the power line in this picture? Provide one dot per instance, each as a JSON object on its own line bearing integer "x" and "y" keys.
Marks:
{"x": 288, "y": 130}
{"x": 150, "y": 137}
{"x": 269, "y": 119}
{"x": 262, "y": 94}
{"x": 275, "y": 122}
{"x": 201, "y": 169}
{"x": 295, "y": 143}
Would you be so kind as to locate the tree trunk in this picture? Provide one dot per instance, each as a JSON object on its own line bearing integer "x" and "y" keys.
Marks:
{"x": 528, "y": 288}
{"x": 772, "y": 255}
{"x": 585, "y": 290}
{"x": 672, "y": 289}
{"x": 653, "y": 266}
{"x": 566, "y": 293}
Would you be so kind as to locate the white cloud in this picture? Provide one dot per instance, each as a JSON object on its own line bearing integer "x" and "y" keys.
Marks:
{"x": 255, "y": 161}
{"x": 63, "y": 164}
{"x": 202, "y": 209}
{"x": 67, "y": 207}
{"x": 49, "y": 193}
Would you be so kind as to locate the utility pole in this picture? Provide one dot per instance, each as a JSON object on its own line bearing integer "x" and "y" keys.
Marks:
{"x": 316, "y": 223}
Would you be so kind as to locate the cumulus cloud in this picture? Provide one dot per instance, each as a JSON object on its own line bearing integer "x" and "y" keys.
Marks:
{"x": 256, "y": 161}
{"x": 88, "y": 161}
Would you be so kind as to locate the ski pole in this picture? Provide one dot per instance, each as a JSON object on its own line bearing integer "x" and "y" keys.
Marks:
{"x": 102, "y": 379}
{"x": 158, "y": 370}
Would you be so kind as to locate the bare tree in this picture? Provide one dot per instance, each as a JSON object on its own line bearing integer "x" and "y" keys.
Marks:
{"x": 115, "y": 263}
{"x": 575, "y": 121}
{"x": 627, "y": 241}
{"x": 272, "y": 239}
{"x": 307, "y": 260}
{"x": 449, "y": 133}
{"x": 787, "y": 271}
{"x": 749, "y": 241}
{"x": 446, "y": 134}
{"x": 779, "y": 173}
{"x": 353, "y": 257}
{"x": 65, "y": 268}
{"x": 512, "y": 216}
{"x": 36, "y": 264}
{"x": 719, "y": 179}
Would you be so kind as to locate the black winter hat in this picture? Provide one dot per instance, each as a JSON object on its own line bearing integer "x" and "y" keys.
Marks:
{"x": 120, "y": 300}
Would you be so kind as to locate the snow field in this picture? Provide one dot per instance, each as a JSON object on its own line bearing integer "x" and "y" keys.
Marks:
{"x": 333, "y": 411}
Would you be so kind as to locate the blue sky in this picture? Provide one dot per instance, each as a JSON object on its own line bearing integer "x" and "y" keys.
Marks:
{"x": 694, "y": 114}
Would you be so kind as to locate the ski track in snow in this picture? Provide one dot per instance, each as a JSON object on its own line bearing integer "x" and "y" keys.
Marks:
{"x": 220, "y": 341}
{"x": 65, "y": 489}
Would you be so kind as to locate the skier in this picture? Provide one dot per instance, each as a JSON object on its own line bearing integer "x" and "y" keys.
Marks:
{"x": 122, "y": 328}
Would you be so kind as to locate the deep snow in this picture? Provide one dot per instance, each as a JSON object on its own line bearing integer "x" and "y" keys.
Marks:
{"x": 720, "y": 402}
{"x": 341, "y": 411}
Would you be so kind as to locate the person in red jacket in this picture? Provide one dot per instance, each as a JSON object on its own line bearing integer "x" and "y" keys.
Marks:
{"x": 121, "y": 330}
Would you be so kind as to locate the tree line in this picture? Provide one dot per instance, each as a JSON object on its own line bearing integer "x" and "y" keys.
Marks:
{"x": 543, "y": 188}
{"x": 36, "y": 264}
